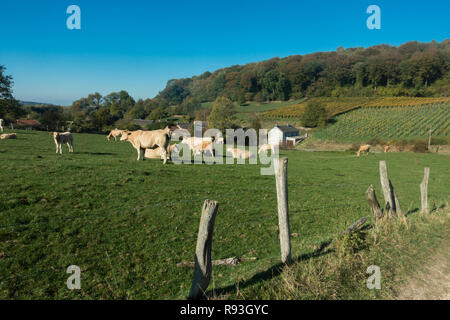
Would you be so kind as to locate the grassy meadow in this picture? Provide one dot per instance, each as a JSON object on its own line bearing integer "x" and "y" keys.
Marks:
{"x": 127, "y": 224}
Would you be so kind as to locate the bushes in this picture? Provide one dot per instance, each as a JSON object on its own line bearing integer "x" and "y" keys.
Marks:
{"x": 314, "y": 115}
{"x": 376, "y": 142}
{"x": 419, "y": 146}
{"x": 439, "y": 141}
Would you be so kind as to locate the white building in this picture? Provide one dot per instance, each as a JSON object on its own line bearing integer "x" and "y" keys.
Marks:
{"x": 280, "y": 134}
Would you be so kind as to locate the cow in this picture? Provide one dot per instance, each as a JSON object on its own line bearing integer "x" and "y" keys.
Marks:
{"x": 8, "y": 136}
{"x": 199, "y": 145}
{"x": 114, "y": 134}
{"x": 1, "y": 125}
{"x": 239, "y": 153}
{"x": 142, "y": 140}
{"x": 62, "y": 138}
{"x": 386, "y": 148}
{"x": 157, "y": 154}
{"x": 364, "y": 148}
{"x": 266, "y": 147}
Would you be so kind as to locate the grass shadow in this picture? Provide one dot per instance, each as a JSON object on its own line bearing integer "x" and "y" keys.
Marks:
{"x": 272, "y": 272}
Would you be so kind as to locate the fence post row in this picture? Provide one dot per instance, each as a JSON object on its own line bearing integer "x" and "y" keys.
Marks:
{"x": 424, "y": 191}
{"x": 203, "y": 265}
{"x": 280, "y": 166}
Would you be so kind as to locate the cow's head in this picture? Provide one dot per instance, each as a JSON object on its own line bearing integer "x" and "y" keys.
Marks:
{"x": 55, "y": 135}
{"x": 125, "y": 135}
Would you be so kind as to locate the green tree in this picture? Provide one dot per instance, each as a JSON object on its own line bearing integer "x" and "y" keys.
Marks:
{"x": 223, "y": 115}
{"x": 10, "y": 108}
{"x": 314, "y": 115}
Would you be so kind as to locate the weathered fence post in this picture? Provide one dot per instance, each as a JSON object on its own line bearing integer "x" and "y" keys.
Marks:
{"x": 373, "y": 203}
{"x": 280, "y": 166}
{"x": 203, "y": 265}
{"x": 424, "y": 190}
{"x": 392, "y": 203}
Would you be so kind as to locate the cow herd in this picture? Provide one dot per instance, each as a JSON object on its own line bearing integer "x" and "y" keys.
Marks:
{"x": 156, "y": 143}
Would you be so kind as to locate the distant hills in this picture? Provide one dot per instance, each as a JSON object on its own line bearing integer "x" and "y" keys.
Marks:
{"x": 33, "y": 103}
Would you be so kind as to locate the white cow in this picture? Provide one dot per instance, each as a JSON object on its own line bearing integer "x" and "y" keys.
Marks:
{"x": 62, "y": 138}
{"x": 199, "y": 145}
{"x": 1, "y": 125}
{"x": 148, "y": 140}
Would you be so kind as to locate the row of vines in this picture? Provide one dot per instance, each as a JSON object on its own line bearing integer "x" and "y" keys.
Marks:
{"x": 389, "y": 123}
{"x": 336, "y": 106}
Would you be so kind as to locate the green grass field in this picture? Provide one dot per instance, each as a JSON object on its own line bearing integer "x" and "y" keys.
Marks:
{"x": 389, "y": 123}
{"x": 128, "y": 223}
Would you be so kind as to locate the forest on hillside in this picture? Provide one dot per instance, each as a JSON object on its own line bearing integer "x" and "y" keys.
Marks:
{"x": 412, "y": 69}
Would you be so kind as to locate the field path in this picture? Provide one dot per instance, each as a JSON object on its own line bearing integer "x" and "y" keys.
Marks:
{"x": 432, "y": 281}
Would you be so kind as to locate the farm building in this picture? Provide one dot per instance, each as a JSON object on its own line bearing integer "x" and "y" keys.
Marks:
{"x": 283, "y": 134}
{"x": 27, "y": 123}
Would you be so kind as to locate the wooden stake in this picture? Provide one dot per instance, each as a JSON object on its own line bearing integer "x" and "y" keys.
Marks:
{"x": 203, "y": 265}
{"x": 387, "y": 191}
{"x": 373, "y": 203}
{"x": 280, "y": 166}
{"x": 424, "y": 191}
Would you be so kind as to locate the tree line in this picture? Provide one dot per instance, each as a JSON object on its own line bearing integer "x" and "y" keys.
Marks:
{"x": 412, "y": 69}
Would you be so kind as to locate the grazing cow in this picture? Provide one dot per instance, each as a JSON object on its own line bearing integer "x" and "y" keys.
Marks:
{"x": 8, "y": 136}
{"x": 142, "y": 140}
{"x": 239, "y": 153}
{"x": 62, "y": 138}
{"x": 266, "y": 147}
{"x": 199, "y": 145}
{"x": 364, "y": 148}
{"x": 386, "y": 148}
{"x": 114, "y": 134}
{"x": 1, "y": 125}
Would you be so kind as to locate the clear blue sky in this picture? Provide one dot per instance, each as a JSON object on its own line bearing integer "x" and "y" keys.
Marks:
{"x": 139, "y": 45}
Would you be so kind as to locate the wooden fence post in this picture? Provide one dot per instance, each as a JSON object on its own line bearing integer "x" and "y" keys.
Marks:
{"x": 280, "y": 166}
{"x": 373, "y": 203}
{"x": 392, "y": 203}
{"x": 424, "y": 190}
{"x": 203, "y": 265}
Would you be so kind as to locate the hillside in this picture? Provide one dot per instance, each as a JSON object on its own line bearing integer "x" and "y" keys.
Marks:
{"x": 412, "y": 69}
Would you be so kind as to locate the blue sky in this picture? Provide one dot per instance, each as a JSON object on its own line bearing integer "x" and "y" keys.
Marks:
{"x": 139, "y": 45}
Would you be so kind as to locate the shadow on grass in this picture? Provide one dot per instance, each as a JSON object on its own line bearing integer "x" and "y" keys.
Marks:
{"x": 98, "y": 153}
{"x": 272, "y": 272}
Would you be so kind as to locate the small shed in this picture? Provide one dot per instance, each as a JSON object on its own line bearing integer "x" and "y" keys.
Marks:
{"x": 280, "y": 134}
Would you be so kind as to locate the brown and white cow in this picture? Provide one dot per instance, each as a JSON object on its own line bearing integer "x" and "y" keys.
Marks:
{"x": 142, "y": 140}
{"x": 62, "y": 138}
{"x": 8, "y": 136}
{"x": 266, "y": 147}
{"x": 239, "y": 153}
{"x": 364, "y": 148}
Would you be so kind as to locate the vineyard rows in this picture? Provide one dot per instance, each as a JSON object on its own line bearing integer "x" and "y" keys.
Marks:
{"x": 336, "y": 106}
{"x": 389, "y": 123}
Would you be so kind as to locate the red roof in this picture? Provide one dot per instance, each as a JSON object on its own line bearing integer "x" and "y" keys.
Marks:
{"x": 27, "y": 122}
